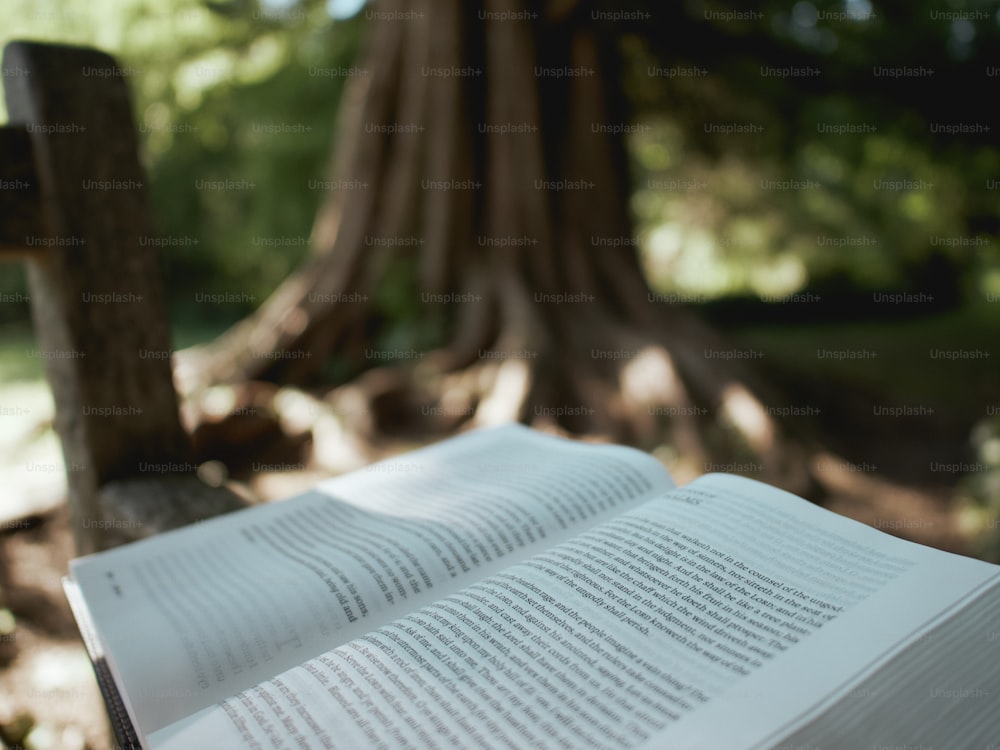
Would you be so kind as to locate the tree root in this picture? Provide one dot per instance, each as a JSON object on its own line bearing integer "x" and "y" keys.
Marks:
{"x": 556, "y": 327}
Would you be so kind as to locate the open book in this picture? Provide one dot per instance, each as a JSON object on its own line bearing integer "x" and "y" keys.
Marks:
{"x": 509, "y": 589}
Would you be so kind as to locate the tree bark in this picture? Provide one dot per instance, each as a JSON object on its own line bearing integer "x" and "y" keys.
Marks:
{"x": 482, "y": 160}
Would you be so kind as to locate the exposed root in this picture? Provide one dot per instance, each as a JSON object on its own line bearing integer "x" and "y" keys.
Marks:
{"x": 627, "y": 386}
{"x": 555, "y": 327}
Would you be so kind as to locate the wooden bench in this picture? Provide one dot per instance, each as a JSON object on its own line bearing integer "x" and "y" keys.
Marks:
{"x": 73, "y": 206}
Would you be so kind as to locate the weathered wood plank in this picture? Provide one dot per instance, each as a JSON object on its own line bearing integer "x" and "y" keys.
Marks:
{"x": 96, "y": 293}
{"x": 19, "y": 198}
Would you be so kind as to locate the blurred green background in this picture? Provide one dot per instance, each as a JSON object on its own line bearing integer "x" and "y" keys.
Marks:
{"x": 248, "y": 90}
{"x": 892, "y": 181}
{"x": 896, "y": 195}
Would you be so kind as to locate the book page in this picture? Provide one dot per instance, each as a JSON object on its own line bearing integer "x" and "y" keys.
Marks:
{"x": 706, "y": 618}
{"x": 941, "y": 690}
{"x": 196, "y": 615}
{"x": 862, "y": 595}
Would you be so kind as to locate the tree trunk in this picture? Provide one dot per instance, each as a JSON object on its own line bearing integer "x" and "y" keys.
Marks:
{"x": 481, "y": 161}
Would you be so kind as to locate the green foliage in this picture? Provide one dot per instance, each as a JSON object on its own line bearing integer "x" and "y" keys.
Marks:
{"x": 235, "y": 105}
{"x": 831, "y": 122}
{"x": 15, "y": 366}
{"x": 227, "y": 90}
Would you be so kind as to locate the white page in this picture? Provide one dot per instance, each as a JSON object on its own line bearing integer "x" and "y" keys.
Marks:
{"x": 939, "y": 690}
{"x": 193, "y": 616}
{"x": 651, "y": 628}
{"x": 927, "y": 584}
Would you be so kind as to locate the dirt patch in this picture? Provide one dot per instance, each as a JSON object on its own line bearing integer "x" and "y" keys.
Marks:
{"x": 48, "y": 695}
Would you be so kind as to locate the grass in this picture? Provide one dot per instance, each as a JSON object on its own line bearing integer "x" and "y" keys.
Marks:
{"x": 16, "y": 361}
{"x": 20, "y": 363}
{"x": 903, "y": 360}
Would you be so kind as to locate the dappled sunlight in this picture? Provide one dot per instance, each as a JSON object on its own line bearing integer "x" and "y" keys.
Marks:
{"x": 918, "y": 207}
{"x": 32, "y": 472}
{"x": 856, "y": 199}
{"x": 746, "y": 414}
{"x": 298, "y": 410}
{"x": 689, "y": 257}
{"x": 295, "y": 322}
{"x": 260, "y": 61}
{"x": 651, "y": 378}
{"x": 193, "y": 78}
{"x": 336, "y": 447}
{"x": 217, "y": 401}
{"x": 455, "y": 400}
{"x": 783, "y": 275}
{"x": 510, "y": 389}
